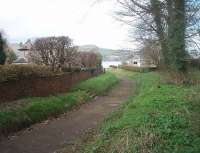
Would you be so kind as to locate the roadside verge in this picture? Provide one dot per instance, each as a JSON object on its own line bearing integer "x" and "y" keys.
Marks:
{"x": 40, "y": 109}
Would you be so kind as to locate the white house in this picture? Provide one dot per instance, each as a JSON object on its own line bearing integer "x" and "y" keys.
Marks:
{"x": 22, "y": 51}
{"x": 137, "y": 59}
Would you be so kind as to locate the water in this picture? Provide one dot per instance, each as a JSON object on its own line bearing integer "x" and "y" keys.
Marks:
{"x": 106, "y": 64}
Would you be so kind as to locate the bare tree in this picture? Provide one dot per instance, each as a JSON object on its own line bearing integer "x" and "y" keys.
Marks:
{"x": 90, "y": 59}
{"x": 168, "y": 21}
{"x": 151, "y": 52}
{"x": 10, "y": 55}
{"x": 55, "y": 52}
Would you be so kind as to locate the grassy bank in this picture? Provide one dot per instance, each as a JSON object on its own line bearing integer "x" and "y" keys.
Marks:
{"x": 39, "y": 109}
{"x": 97, "y": 86}
{"x": 161, "y": 118}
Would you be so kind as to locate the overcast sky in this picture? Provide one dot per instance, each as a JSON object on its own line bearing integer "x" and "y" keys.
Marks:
{"x": 78, "y": 19}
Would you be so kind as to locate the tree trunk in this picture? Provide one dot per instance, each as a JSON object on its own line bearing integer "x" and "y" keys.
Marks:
{"x": 176, "y": 34}
{"x": 173, "y": 41}
{"x": 156, "y": 11}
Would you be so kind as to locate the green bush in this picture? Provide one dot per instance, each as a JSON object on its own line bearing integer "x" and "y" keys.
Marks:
{"x": 2, "y": 50}
{"x": 16, "y": 72}
{"x": 2, "y": 57}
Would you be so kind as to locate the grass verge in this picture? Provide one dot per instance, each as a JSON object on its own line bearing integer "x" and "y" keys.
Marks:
{"x": 39, "y": 109}
{"x": 161, "y": 118}
{"x": 97, "y": 86}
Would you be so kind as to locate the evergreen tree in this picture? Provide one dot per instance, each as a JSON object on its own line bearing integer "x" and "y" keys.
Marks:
{"x": 2, "y": 51}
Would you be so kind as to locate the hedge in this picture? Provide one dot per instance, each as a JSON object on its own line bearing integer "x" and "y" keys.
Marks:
{"x": 137, "y": 69}
{"x": 17, "y": 72}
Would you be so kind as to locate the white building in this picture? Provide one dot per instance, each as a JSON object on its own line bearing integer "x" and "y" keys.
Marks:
{"x": 22, "y": 51}
{"x": 135, "y": 59}
{"x": 138, "y": 60}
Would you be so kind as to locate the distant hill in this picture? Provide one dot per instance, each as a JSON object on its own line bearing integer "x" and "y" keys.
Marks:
{"x": 108, "y": 54}
{"x": 103, "y": 51}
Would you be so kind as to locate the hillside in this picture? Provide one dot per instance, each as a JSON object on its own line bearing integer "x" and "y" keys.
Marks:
{"x": 108, "y": 54}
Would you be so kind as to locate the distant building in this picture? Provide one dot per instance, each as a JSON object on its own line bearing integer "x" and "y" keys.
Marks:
{"x": 25, "y": 48}
{"x": 20, "y": 61}
{"x": 22, "y": 51}
{"x": 137, "y": 59}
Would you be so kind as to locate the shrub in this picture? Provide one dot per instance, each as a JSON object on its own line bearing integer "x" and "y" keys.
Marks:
{"x": 72, "y": 69}
{"x": 90, "y": 59}
{"x": 16, "y": 72}
{"x": 137, "y": 69}
{"x": 11, "y": 56}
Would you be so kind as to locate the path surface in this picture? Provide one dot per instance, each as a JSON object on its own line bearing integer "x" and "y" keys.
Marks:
{"x": 46, "y": 138}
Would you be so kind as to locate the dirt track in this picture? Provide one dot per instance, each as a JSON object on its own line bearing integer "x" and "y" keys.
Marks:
{"x": 50, "y": 136}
